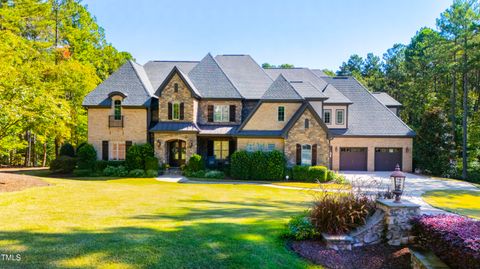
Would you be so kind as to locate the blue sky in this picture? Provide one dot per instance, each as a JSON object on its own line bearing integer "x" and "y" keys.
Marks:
{"x": 317, "y": 34}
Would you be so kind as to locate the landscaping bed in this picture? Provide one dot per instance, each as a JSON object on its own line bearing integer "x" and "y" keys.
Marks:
{"x": 368, "y": 257}
{"x": 12, "y": 182}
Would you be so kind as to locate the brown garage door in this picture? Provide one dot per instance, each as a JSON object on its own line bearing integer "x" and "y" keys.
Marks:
{"x": 386, "y": 159}
{"x": 354, "y": 159}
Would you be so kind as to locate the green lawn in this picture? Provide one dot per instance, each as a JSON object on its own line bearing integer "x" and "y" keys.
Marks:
{"x": 143, "y": 223}
{"x": 462, "y": 202}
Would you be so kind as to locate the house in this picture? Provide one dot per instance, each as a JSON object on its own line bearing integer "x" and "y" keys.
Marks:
{"x": 228, "y": 102}
{"x": 388, "y": 101}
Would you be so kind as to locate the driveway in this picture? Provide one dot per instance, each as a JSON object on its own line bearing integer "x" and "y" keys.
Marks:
{"x": 415, "y": 186}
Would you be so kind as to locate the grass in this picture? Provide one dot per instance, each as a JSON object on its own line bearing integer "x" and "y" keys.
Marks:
{"x": 304, "y": 185}
{"x": 143, "y": 223}
{"x": 462, "y": 202}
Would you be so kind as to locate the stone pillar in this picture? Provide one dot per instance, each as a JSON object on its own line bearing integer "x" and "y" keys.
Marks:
{"x": 397, "y": 220}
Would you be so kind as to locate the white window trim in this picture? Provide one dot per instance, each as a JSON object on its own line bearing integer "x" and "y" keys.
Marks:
{"x": 309, "y": 160}
{"x": 114, "y": 152}
{"x": 173, "y": 111}
{"x": 343, "y": 116}
{"x": 324, "y": 111}
{"x": 222, "y": 116}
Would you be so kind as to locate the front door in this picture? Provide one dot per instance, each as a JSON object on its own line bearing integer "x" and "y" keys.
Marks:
{"x": 177, "y": 151}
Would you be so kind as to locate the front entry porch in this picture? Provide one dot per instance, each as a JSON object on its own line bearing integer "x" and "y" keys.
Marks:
{"x": 177, "y": 151}
{"x": 174, "y": 149}
{"x": 216, "y": 151}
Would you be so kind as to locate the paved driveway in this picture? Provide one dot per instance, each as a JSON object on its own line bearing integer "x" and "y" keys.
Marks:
{"x": 415, "y": 186}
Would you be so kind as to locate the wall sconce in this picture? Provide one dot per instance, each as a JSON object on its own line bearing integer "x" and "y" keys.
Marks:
{"x": 336, "y": 149}
{"x": 407, "y": 149}
{"x": 159, "y": 143}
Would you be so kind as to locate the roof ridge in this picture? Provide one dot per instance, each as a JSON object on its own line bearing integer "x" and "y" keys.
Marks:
{"x": 173, "y": 61}
{"x": 390, "y": 111}
{"x": 224, "y": 73}
{"x": 139, "y": 78}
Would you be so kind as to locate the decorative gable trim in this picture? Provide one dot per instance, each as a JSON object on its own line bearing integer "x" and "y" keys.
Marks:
{"x": 298, "y": 114}
{"x": 184, "y": 79}
{"x": 117, "y": 93}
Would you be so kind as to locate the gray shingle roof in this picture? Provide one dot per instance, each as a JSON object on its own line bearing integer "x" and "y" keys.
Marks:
{"x": 386, "y": 99}
{"x": 171, "y": 126}
{"x": 245, "y": 74}
{"x": 367, "y": 116}
{"x": 319, "y": 73}
{"x": 281, "y": 89}
{"x": 307, "y": 90}
{"x": 131, "y": 80}
{"x": 335, "y": 96}
{"x": 211, "y": 81}
{"x": 157, "y": 71}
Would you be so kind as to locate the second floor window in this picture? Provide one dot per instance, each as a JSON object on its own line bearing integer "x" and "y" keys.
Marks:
{"x": 221, "y": 113}
{"x": 281, "y": 113}
{"x": 327, "y": 116}
{"x": 117, "y": 109}
{"x": 307, "y": 123}
{"x": 340, "y": 116}
{"x": 176, "y": 111}
{"x": 175, "y": 87}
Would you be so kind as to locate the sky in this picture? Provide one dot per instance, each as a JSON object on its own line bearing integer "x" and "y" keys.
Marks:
{"x": 315, "y": 34}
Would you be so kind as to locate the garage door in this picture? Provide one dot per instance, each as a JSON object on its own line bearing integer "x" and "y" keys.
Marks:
{"x": 386, "y": 159}
{"x": 354, "y": 159}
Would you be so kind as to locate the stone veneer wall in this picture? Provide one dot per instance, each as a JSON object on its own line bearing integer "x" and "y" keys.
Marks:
{"x": 313, "y": 135}
{"x": 397, "y": 220}
{"x": 183, "y": 95}
{"x": 203, "y": 111}
{"x": 162, "y": 153}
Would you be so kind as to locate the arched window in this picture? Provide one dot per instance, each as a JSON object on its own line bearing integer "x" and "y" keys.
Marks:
{"x": 306, "y": 154}
{"x": 307, "y": 123}
{"x": 117, "y": 109}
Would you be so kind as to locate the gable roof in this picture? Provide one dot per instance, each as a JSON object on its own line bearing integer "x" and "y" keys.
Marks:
{"x": 246, "y": 75}
{"x": 281, "y": 89}
{"x": 130, "y": 80}
{"x": 307, "y": 90}
{"x": 386, "y": 99}
{"x": 157, "y": 71}
{"x": 210, "y": 80}
{"x": 305, "y": 106}
{"x": 183, "y": 77}
{"x": 367, "y": 116}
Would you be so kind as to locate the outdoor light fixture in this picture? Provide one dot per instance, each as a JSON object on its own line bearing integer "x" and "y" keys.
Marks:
{"x": 159, "y": 143}
{"x": 398, "y": 183}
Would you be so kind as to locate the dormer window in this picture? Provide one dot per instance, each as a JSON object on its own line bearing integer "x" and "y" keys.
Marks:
{"x": 340, "y": 113}
{"x": 117, "y": 109}
{"x": 175, "y": 87}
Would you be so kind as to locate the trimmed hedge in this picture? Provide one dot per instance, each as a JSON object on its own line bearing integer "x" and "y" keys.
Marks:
{"x": 119, "y": 171}
{"x": 310, "y": 173}
{"x": 67, "y": 150}
{"x": 86, "y": 157}
{"x": 63, "y": 165}
{"x": 454, "y": 239}
{"x": 101, "y": 165}
{"x": 195, "y": 163}
{"x": 258, "y": 165}
{"x": 151, "y": 163}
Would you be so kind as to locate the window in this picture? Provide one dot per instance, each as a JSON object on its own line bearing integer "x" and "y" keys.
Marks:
{"x": 221, "y": 149}
{"x": 117, "y": 109}
{"x": 221, "y": 113}
{"x": 306, "y": 155}
{"x": 339, "y": 116}
{"x": 117, "y": 151}
{"x": 327, "y": 116}
{"x": 307, "y": 123}
{"x": 271, "y": 147}
{"x": 176, "y": 111}
{"x": 175, "y": 87}
{"x": 281, "y": 113}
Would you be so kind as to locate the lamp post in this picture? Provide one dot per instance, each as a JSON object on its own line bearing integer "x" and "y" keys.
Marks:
{"x": 398, "y": 183}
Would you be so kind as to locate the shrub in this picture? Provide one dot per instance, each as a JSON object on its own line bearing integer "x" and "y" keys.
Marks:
{"x": 137, "y": 154}
{"x": 136, "y": 173}
{"x": 240, "y": 165}
{"x": 340, "y": 179}
{"x": 335, "y": 213}
{"x": 310, "y": 173}
{"x": 215, "y": 174}
{"x": 63, "y": 165}
{"x": 79, "y": 146}
{"x": 330, "y": 175}
{"x": 119, "y": 171}
{"x": 151, "y": 163}
{"x": 300, "y": 228}
{"x": 151, "y": 173}
{"x": 258, "y": 165}
{"x": 82, "y": 172}
{"x": 101, "y": 165}
{"x": 67, "y": 150}
{"x": 198, "y": 174}
{"x": 195, "y": 163}
{"x": 454, "y": 239}
{"x": 86, "y": 157}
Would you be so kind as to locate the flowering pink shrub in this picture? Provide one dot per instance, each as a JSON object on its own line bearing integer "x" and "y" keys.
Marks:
{"x": 454, "y": 239}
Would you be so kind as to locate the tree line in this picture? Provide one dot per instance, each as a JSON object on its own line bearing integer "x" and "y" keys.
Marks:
{"x": 52, "y": 53}
{"x": 437, "y": 79}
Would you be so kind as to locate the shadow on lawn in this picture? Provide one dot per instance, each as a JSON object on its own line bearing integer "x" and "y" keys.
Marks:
{"x": 212, "y": 245}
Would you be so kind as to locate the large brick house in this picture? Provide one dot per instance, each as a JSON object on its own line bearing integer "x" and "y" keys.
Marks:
{"x": 225, "y": 103}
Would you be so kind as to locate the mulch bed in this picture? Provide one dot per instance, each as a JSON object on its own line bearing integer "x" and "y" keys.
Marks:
{"x": 14, "y": 182}
{"x": 372, "y": 257}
